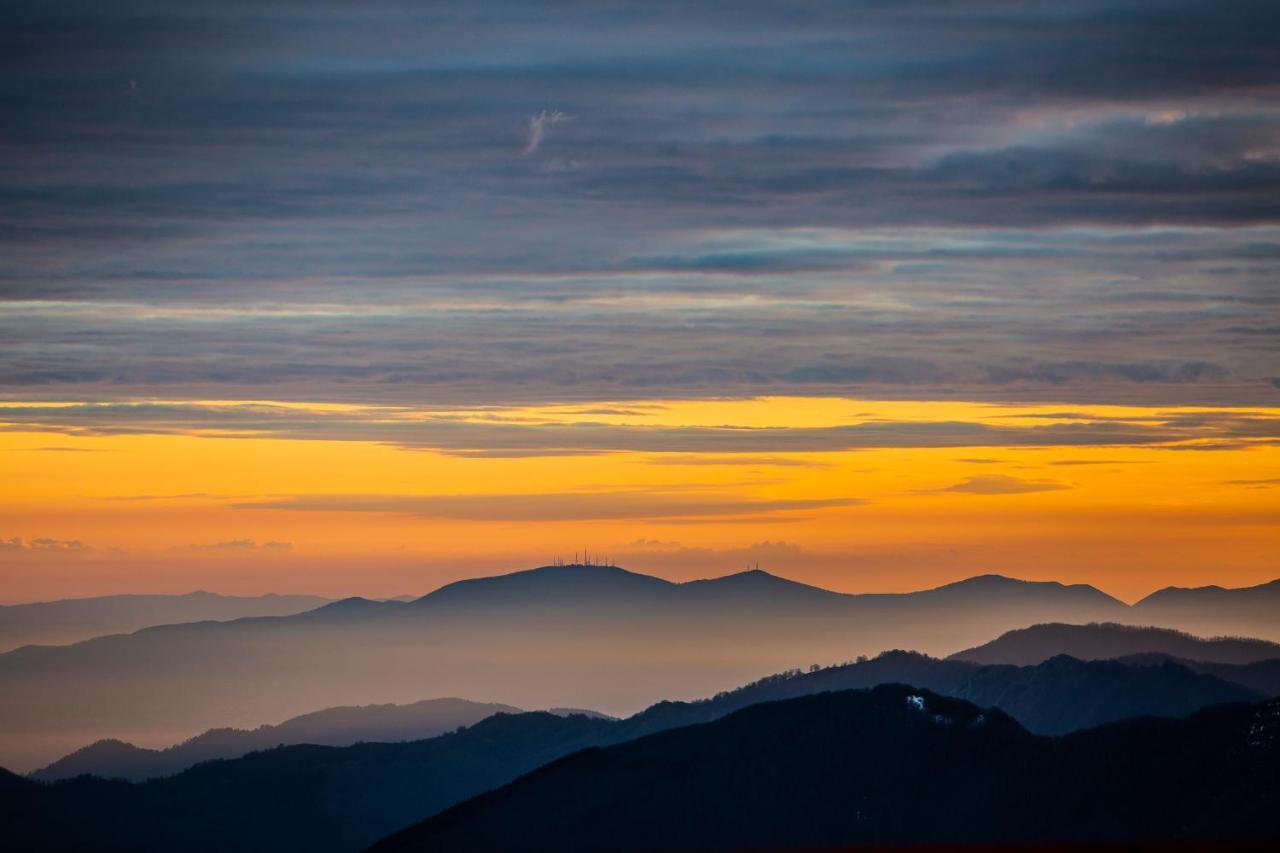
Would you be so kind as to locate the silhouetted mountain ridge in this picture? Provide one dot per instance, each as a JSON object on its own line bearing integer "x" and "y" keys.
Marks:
{"x": 892, "y": 765}
{"x": 587, "y": 636}
{"x": 72, "y": 620}
{"x": 1213, "y": 591}
{"x": 1095, "y": 641}
{"x": 1262, "y": 676}
{"x": 1000, "y": 584}
{"x": 1059, "y": 695}
{"x": 575, "y": 584}
{"x": 336, "y": 799}
{"x": 1252, "y": 611}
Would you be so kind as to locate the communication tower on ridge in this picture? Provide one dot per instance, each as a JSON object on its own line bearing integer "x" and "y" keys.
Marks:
{"x": 584, "y": 559}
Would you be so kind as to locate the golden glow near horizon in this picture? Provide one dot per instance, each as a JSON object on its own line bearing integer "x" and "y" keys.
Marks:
{"x": 357, "y": 500}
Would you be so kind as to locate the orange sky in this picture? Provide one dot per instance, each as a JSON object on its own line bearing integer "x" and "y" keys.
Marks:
{"x": 146, "y": 507}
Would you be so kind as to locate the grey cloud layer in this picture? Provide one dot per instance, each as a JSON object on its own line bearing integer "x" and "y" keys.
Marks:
{"x": 1000, "y": 484}
{"x": 497, "y": 438}
{"x": 575, "y": 506}
{"x": 376, "y": 203}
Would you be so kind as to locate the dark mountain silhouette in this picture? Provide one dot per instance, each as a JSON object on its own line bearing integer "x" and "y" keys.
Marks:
{"x": 1000, "y": 586}
{"x": 111, "y": 758}
{"x": 555, "y": 586}
{"x": 115, "y": 759}
{"x": 892, "y": 765}
{"x": 611, "y": 587}
{"x": 1063, "y": 694}
{"x": 1101, "y": 641}
{"x": 1252, "y": 611}
{"x": 340, "y": 799}
{"x": 74, "y": 619}
{"x": 583, "y": 636}
{"x": 585, "y": 712}
{"x": 1262, "y": 676}
{"x": 293, "y": 798}
{"x": 754, "y": 587}
{"x": 1057, "y": 696}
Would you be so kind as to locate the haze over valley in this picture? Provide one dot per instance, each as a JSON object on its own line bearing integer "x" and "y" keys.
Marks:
{"x": 597, "y": 637}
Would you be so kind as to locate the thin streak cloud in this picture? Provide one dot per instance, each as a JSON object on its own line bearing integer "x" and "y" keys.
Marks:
{"x": 587, "y": 506}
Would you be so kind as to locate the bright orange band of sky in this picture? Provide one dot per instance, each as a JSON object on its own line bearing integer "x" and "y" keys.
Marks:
{"x": 143, "y": 508}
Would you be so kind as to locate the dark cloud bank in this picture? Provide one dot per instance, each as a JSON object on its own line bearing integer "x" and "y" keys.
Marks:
{"x": 571, "y": 201}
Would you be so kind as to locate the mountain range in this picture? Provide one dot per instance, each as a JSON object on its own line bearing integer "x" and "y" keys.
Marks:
{"x": 1213, "y": 610}
{"x": 339, "y": 799}
{"x": 1036, "y": 643}
{"x": 71, "y": 620}
{"x": 1262, "y": 676}
{"x": 1056, "y": 696}
{"x": 593, "y": 637}
{"x": 893, "y": 765}
{"x": 585, "y": 636}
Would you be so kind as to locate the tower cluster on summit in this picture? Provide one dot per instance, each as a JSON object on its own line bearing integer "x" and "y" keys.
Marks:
{"x": 585, "y": 561}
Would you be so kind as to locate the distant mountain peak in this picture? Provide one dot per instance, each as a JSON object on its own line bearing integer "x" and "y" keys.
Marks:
{"x": 752, "y": 576}
{"x": 1190, "y": 594}
{"x": 1109, "y": 640}
{"x": 758, "y": 585}
{"x": 351, "y": 605}
{"x": 553, "y": 582}
{"x": 985, "y": 579}
{"x": 989, "y": 583}
{"x": 991, "y": 579}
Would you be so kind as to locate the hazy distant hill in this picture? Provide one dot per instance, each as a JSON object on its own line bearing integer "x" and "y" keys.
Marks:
{"x": 1101, "y": 641}
{"x": 323, "y": 799}
{"x": 112, "y": 759}
{"x": 561, "y": 635}
{"x": 893, "y": 765}
{"x": 74, "y": 619}
{"x": 1251, "y": 611}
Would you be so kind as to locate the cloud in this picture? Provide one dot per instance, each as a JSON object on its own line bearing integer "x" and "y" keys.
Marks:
{"x": 571, "y": 506}
{"x": 485, "y": 436}
{"x": 236, "y": 545}
{"x": 1000, "y": 484}
{"x": 522, "y": 453}
{"x": 43, "y": 545}
{"x": 331, "y": 210}
{"x": 1077, "y": 462}
{"x": 693, "y": 562}
{"x": 538, "y": 125}
{"x": 763, "y": 551}
{"x": 651, "y": 543}
{"x": 711, "y": 460}
{"x": 184, "y": 496}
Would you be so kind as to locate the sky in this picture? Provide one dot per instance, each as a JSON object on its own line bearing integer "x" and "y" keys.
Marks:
{"x": 362, "y": 298}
